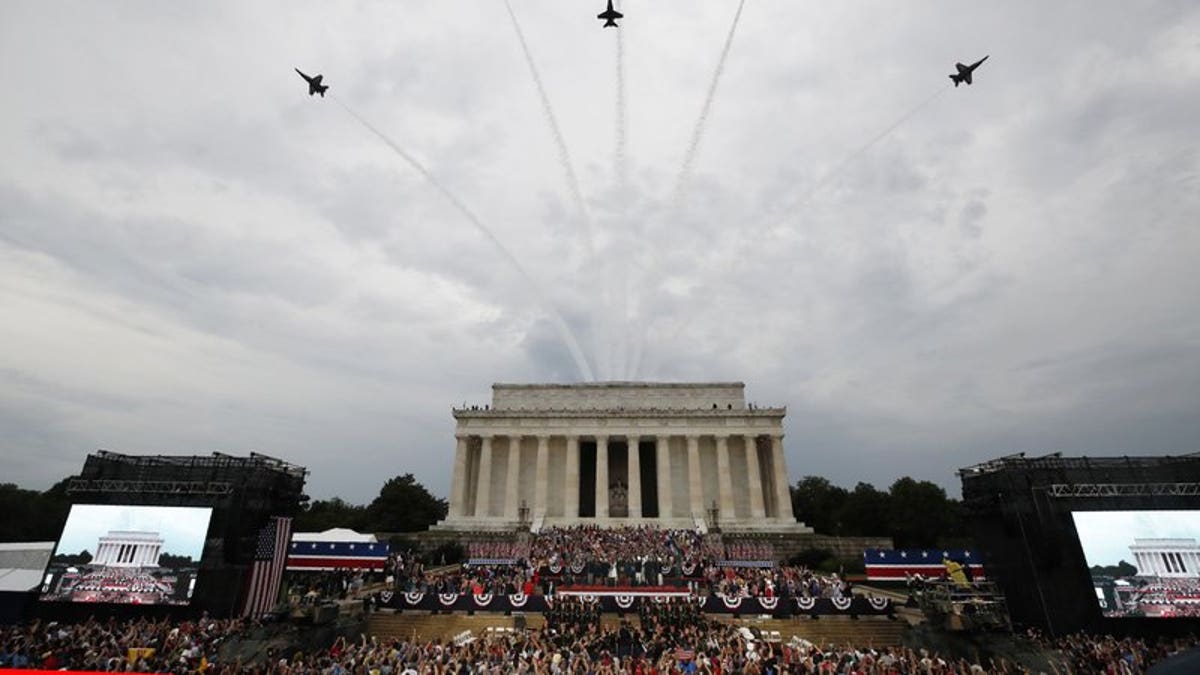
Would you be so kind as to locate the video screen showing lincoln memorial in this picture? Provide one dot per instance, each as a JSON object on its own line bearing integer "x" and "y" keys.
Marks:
{"x": 620, "y": 453}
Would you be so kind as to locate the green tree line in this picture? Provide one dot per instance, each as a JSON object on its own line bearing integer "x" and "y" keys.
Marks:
{"x": 403, "y": 505}
{"x": 913, "y": 513}
{"x": 29, "y": 515}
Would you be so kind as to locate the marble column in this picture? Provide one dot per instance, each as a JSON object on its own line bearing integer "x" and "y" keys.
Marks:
{"x": 541, "y": 476}
{"x": 695, "y": 487}
{"x": 725, "y": 479}
{"x": 633, "y": 471}
{"x": 512, "y": 479}
{"x": 602, "y": 476}
{"x": 483, "y": 493}
{"x": 571, "y": 494}
{"x": 757, "y": 509}
{"x": 662, "y": 456}
{"x": 783, "y": 496}
{"x": 458, "y": 481}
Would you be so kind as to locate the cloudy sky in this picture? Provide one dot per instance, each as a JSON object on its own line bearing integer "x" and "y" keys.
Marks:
{"x": 181, "y": 528}
{"x": 1107, "y": 535}
{"x": 195, "y": 255}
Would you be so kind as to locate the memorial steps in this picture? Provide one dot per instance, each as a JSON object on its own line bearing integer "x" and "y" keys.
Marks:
{"x": 837, "y": 630}
{"x": 444, "y": 626}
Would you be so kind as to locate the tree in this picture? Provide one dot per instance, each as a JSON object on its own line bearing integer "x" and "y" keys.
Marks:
{"x": 865, "y": 512}
{"x": 177, "y": 562}
{"x": 30, "y": 515}
{"x": 404, "y": 505}
{"x": 82, "y": 558}
{"x": 816, "y": 501}
{"x": 919, "y": 514}
{"x": 322, "y": 515}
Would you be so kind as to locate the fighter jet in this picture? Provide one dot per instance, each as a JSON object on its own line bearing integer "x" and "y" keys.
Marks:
{"x": 964, "y": 72}
{"x": 610, "y": 16}
{"x": 314, "y": 84}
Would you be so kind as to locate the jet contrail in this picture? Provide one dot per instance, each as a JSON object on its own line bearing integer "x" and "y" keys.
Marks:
{"x": 564, "y": 156}
{"x": 821, "y": 184}
{"x": 679, "y": 189}
{"x": 856, "y": 153}
{"x": 689, "y": 157}
{"x": 564, "y": 161}
{"x": 619, "y": 159}
{"x": 564, "y": 330}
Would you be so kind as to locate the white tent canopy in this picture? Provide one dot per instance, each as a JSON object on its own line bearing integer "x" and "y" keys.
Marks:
{"x": 22, "y": 564}
{"x": 337, "y": 534}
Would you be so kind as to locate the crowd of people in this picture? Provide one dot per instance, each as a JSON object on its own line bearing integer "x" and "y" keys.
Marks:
{"x": 667, "y": 639}
{"x": 115, "y": 585}
{"x": 626, "y": 557}
{"x": 1085, "y": 653}
{"x": 141, "y": 645}
{"x": 497, "y": 550}
{"x": 784, "y": 581}
{"x": 316, "y": 587}
{"x": 583, "y": 546}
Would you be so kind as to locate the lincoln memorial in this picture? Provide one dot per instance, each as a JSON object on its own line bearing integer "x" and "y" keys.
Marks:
{"x": 128, "y": 549}
{"x": 1167, "y": 557}
{"x": 618, "y": 453}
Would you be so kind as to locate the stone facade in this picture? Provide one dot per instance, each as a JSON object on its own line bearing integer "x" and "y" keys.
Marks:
{"x": 1177, "y": 558}
{"x": 615, "y": 453}
{"x": 128, "y": 549}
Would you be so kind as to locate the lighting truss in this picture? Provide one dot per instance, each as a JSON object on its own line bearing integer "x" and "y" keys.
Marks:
{"x": 1076, "y": 490}
{"x": 158, "y": 487}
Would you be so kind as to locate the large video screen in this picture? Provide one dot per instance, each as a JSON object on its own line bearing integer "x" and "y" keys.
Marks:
{"x": 1143, "y": 563}
{"x": 142, "y": 555}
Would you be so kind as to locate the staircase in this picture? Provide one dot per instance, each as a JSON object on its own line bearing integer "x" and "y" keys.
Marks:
{"x": 444, "y": 626}
{"x": 835, "y": 630}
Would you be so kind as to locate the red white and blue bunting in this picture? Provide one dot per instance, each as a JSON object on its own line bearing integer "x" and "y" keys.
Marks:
{"x": 625, "y": 600}
{"x": 878, "y": 603}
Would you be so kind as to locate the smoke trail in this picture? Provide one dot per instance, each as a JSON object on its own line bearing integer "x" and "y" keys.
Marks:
{"x": 564, "y": 330}
{"x": 821, "y": 184}
{"x": 620, "y": 160}
{"x": 858, "y": 152}
{"x": 564, "y": 161}
{"x": 689, "y": 157}
{"x": 564, "y": 156}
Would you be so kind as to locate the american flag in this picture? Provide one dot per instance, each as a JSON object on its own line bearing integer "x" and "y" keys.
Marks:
{"x": 683, "y": 654}
{"x": 270, "y": 555}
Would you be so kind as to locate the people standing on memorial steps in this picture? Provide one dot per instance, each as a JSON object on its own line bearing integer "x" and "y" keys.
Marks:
{"x": 642, "y": 556}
